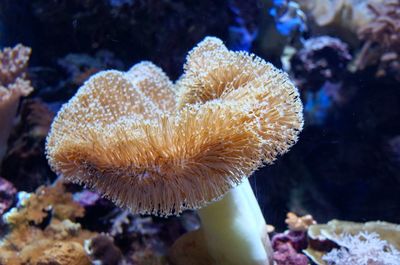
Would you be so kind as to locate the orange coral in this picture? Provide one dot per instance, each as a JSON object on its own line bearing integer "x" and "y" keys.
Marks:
{"x": 264, "y": 93}
{"x": 13, "y": 85}
{"x": 161, "y": 148}
{"x": 297, "y": 223}
{"x": 39, "y": 204}
{"x": 60, "y": 242}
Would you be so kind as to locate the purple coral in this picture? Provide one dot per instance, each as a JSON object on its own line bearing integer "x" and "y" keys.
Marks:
{"x": 7, "y": 195}
{"x": 287, "y": 255}
{"x": 86, "y": 198}
{"x": 298, "y": 239}
{"x": 286, "y": 247}
{"x": 321, "y": 59}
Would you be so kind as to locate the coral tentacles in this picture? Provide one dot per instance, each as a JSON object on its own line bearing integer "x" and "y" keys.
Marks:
{"x": 158, "y": 147}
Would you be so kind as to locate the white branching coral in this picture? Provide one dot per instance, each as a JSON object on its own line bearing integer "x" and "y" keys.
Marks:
{"x": 362, "y": 249}
{"x": 160, "y": 148}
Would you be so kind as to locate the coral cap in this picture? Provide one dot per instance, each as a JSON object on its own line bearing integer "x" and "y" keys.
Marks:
{"x": 158, "y": 147}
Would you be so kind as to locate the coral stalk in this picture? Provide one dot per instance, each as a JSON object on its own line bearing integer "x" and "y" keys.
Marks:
{"x": 235, "y": 229}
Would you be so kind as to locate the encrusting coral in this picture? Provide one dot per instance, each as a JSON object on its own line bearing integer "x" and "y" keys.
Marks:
{"x": 13, "y": 85}
{"x": 325, "y": 237}
{"x": 364, "y": 249}
{"x": 42, "y": 230}
{"x": 159, "y": 148}
{"x": 288, "y": 245}
{"x": 122, "y": 131}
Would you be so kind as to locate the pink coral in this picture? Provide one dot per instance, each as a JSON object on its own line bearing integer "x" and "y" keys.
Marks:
{"x": 13, "y": 64}
{"x": 298, "y": 239}
{"x": 287, "y": 247}
{"x": 287, "y": 255}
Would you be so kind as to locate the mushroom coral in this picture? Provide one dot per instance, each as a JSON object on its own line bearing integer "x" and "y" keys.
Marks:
{"x": 13, "y": 85}
{"x": 159, "y": 148}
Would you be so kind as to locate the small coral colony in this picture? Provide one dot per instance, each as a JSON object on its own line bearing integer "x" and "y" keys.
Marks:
{"x": 119, "y": 164}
